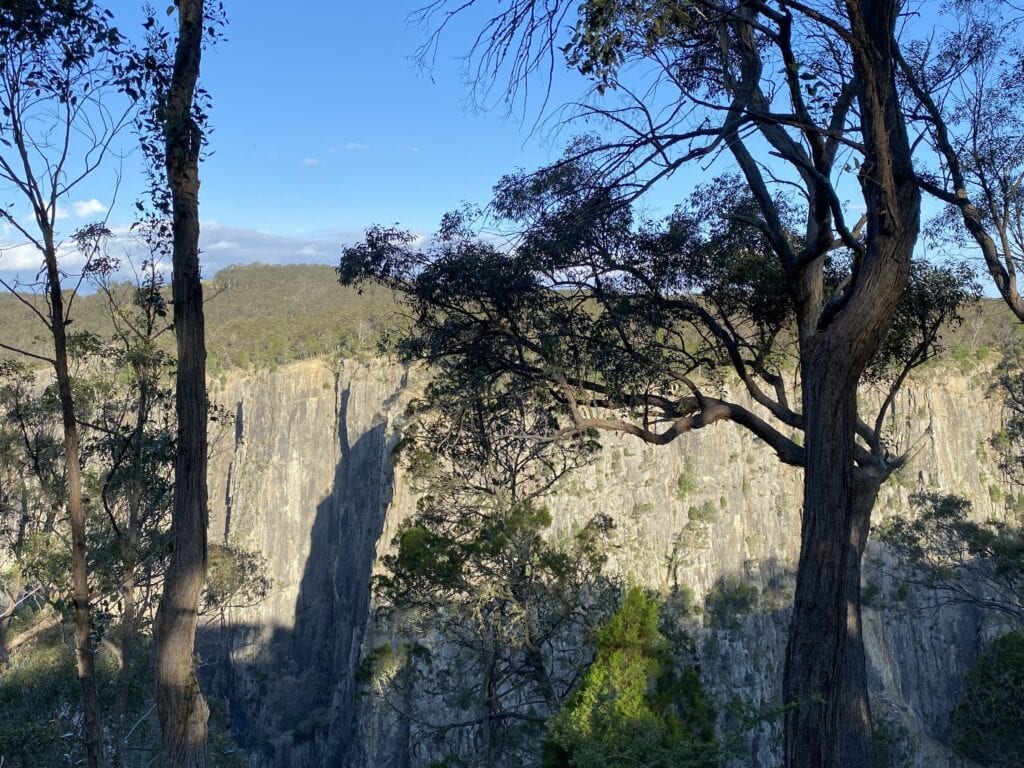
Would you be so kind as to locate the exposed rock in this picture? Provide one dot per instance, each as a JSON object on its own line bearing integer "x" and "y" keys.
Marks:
{"x": 307, "y": 477}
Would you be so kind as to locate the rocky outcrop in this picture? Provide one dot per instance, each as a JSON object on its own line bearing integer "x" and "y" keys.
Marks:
{"x": 305, "y": 475}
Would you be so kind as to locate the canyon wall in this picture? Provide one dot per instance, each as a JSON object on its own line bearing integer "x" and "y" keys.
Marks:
{"x": 304, "y": 474}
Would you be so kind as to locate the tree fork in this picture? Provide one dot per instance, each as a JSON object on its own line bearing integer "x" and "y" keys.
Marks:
{"x": 825, "y": 677}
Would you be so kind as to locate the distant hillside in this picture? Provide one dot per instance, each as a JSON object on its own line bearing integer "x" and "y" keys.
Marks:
{"x": 260, "y": 316}
{"x": 263, "y": 316}
{"x": 257, "y": 315}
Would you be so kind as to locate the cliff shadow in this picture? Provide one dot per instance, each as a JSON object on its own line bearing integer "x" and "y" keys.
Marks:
{"x": 290, "y": 693}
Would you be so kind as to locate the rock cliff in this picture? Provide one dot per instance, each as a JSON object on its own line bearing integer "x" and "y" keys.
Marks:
{"x": 306, "y": 476}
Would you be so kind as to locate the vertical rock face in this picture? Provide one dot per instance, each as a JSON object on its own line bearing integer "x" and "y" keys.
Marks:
{"x": 305, "y": 475}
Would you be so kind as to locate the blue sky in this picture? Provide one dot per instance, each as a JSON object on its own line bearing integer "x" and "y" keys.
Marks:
{"x": 323, "y": 125}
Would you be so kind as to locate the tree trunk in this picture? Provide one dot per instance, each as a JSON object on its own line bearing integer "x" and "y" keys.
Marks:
{"x": 13, "y": 590}
{"x": 182, "y": 710}
{"x": 92, "y": 733}
{"x": 821, "y": 675}
{"x": 825, "y": 679}
{"x": 128, "y": 643}
{"x": 856, "y": 741}
{"x": 129, "y": 546}
{"x": 826, "y": 667}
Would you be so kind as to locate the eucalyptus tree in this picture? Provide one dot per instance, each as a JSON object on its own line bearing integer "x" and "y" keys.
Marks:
{"x": 61, "y": 65}
{"x": 963, "y": 87}
{"x": 128, "y": 453}
{"x": 124, "y": 417}
{"x": 959, "y": 559}
{"x": 629, "y": 321}
{"x": 510, "y": 611}
{"x": 172, "y": 129}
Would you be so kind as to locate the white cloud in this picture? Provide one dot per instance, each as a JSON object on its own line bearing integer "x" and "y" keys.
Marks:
{"x": 222, "y": 245}
{"x": 355, "y": 146}
{"x": 248, "y": 245}
{"x": 311, "y": 161}
{"x": 88, "y": 207}
{"x": 19, "y": 257}
{"x": 26, "y": 259}
{"x": 62, "y": 214}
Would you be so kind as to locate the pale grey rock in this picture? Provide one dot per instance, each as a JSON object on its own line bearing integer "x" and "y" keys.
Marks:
{"x": 305, "y": 475}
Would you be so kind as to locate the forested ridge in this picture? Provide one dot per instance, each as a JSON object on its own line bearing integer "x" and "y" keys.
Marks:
{"x": 260, "y": 316}
{"x": 264, "y": 316}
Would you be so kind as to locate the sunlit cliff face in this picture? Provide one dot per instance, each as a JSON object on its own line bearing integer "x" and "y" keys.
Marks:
{"x": 711, "y": 521}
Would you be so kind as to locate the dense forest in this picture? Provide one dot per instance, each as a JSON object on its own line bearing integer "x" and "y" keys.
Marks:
{"x": 466, "y": 500}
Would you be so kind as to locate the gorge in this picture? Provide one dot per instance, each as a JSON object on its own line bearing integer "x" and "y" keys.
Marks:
{"x": 307, "y": 476}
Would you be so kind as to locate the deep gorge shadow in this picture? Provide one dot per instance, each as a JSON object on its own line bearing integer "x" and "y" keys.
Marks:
{"x": 292, "y": 703}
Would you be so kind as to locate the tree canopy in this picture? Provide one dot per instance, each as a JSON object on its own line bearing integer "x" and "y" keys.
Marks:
{"x": 804, "y": 252}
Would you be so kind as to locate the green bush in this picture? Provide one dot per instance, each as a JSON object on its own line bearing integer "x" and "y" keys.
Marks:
{"x": 633, "y": 708}
{"x": 686, "y": 483}
{"x": 705, "y": 513}
{"x": 729, "y": 598}
{"x": 988, "y": 722}
{"x": 39, "y": 698}
{"x": 869, "y": 594}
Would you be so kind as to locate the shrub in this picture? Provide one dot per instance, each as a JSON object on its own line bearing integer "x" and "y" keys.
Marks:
{"x": 686, "y": 483}
{"x": 988, "y": 722}
{"x": 729, "y": 598}
{"x": 633, "y": 707}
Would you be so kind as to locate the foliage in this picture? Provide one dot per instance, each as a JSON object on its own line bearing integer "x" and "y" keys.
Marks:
{"x": 40, "y": 700}
{"x": 932, "y": 306}
{"x": 965, "y": 561}
{"x": 731, "y": 597}
{"x": 483, "y": 466}
{"x": 263, "y": 316}
{"x": 988, "y": 722}
{"x": 62, "y": 69}
{"x": 235, "y": 578}
{"x": 635, "y": 325}
{"x": 1009, "y": 443}
{"x": 641, "y": 318}
{"x": 509, "y": 605}
{"x": 633, "y": 707}
{"x": 967, "y": 84}
{"x": 126, "y": 413}
{"x": 259, "y": 316}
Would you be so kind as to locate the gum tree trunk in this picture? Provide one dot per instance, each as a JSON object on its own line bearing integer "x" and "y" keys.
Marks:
{"x": 182, "y": 709}
{"x": 92, "y": 733}
{"x": 825, "y": 676}
{"x": 825, "y": 680}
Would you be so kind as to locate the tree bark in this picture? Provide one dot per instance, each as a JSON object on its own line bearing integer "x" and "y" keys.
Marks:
{"x": 128, "y": 641}
{"x": 856, "y": 740}
{"x": 826, "y": 619}
{"x": 826, "y": 666}
{"x": 92, "y": 733}
{"x": 825, "y": 679}
{"x": 129, "y": 547}
{"x": 182, "y": 710}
